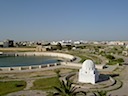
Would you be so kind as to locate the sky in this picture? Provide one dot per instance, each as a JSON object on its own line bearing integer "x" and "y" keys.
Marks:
{"x": 63, "y": 20}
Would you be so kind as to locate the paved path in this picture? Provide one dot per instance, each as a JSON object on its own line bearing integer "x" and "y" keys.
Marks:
{"x": 29, "y": 84}
{"x": 28, "y": 93}
{"x": 77, "y": 59}
{"x": 103, "y": 59}
{"x": 124, "y": 78}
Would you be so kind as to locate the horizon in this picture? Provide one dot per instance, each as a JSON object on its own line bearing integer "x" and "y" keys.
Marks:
{"x": 35, "y": 20}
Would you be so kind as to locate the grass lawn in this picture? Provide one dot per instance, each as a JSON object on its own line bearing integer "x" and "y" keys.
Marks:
{"x": 45, "y": 84}
{"x": 85, "y": 56}
{"x": 11, "y": 86}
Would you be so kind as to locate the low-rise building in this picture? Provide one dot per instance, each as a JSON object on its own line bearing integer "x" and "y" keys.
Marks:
{"x": 126, "y": 47}
{"x": 125, "y": 53}
{"x": 41, "y": 48}
{"x": 7, "y": 43}
{"x": 1, "y": 44}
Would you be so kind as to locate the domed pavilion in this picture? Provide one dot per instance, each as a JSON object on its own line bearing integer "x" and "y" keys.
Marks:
{"x": 88, "y": 73}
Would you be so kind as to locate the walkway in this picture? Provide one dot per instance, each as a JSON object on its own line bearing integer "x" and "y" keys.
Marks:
{"x": 124, "y": 78}
{"x": 28, "y": 93}
{"x": 29, "y": 84}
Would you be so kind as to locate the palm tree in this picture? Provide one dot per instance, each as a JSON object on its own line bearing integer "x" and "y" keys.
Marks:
{"x": 101, "y": 93}
{"x": 57, "y": 71}
{"x": 66, "y": 89}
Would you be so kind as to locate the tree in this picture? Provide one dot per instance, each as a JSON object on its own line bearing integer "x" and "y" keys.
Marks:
{"x": 101, "y": 93}
{"x": 57, "y": 71}
{"x": 69, "y": 47}
{"x": 110, "y": 57}
{"x": 120, "y": 60}
{"x": 59, "y": 46}
{"x": 66, "y": 89}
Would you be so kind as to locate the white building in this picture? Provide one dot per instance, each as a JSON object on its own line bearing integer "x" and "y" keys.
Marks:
{"x": 77, "y": 42}
{"x": 125, "y": 53}
{"x": 1, "y": 44}
{"x": 1, "y": 53}
{"x": 7, "y": 43}
{"x": 54, "y": 43}
{"x": 126, "y": 46}
{"x": 88, "y": 73}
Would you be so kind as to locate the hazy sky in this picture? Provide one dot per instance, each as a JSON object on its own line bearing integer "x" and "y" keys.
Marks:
{"x": 64, "y": 19}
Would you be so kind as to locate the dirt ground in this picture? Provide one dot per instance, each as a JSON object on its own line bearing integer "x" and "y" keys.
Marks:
{"x": 25, "y": 75}
{"x": 16, "y": 49}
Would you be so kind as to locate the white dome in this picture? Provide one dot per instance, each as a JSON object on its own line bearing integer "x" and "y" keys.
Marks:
{"x": 88, "y": 64}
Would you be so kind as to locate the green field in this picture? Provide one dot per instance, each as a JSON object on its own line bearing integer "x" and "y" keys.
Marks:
{"x": 11, "y": 86}
{"x": 45, "y": 84}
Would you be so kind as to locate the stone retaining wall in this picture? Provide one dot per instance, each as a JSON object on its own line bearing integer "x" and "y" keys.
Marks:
{"x": 21, "y": 68}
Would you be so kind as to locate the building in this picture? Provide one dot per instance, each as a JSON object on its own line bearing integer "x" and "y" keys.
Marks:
{"x": 1, "y": 53}
{"x": 88, "y": 73}
{"x": 7, "y": 43}
{"x": 1, "y": 44}
{"x": 126, "y": 47}
{"x": 77, "y": 42}
{"x": 125, "y": 53}
{"x": 41, "y": 48}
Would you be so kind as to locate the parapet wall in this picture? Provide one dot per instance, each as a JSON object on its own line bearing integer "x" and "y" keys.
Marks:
{"x": 61, "y": 55}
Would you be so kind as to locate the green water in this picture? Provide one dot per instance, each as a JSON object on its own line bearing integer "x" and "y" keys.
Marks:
{"x": 25, "y": 61}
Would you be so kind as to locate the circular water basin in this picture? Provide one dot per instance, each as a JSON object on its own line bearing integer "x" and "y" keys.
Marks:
{"x": 26, "y": 61}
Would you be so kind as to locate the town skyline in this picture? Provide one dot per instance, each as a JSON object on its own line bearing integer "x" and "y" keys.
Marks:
{"x": 63, "y": 20}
